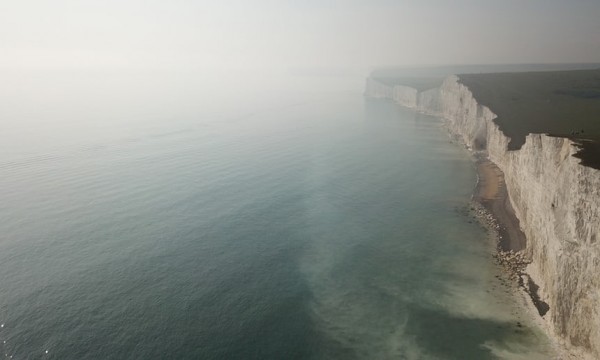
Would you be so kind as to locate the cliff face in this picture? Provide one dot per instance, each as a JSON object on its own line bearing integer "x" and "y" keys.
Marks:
{"x": 405, "y": 96}
{"x": 376, "y": 89}
{"x": 557, "y": 201}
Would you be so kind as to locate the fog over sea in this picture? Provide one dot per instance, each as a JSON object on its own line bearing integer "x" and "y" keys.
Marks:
{"x": 172, "y": 215}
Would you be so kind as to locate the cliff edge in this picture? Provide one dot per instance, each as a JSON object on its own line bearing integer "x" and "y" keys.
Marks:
{"x": 554, "y": 195}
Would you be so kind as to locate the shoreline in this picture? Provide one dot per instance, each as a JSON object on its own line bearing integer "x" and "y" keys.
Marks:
{"x": 471, "y": 125}
{"x": 491, "y": 193}
{"x": 497, "y": 214}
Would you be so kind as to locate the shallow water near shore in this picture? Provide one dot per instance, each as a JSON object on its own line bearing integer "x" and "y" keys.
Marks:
{"x": 325, "y": 227}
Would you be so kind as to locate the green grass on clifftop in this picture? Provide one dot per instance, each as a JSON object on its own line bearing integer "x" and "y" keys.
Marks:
{"x": 558, "y": 103}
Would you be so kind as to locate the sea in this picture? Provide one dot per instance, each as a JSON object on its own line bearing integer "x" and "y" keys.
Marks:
{"x": 163, "y": 215}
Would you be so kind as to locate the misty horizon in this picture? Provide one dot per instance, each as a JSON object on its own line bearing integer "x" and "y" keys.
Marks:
{"x": 269, "y": 35}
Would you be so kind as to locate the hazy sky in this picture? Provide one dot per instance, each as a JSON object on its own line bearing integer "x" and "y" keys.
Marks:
{"x": 301, "y": 34}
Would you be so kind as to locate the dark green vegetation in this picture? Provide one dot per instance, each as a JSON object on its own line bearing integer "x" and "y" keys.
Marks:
{"x": 558, "y": 103}
{"x": 429, "y": 77}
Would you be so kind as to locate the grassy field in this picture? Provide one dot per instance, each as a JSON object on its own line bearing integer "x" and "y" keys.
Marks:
{"x": 428, "y": 77}
{"x": 558, "y": 103}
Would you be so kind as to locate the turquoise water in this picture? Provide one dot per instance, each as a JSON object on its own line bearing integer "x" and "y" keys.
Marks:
{"x": 325, "y": 227}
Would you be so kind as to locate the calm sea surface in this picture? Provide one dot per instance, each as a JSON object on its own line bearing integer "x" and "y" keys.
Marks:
{"x": 303, "y": 227}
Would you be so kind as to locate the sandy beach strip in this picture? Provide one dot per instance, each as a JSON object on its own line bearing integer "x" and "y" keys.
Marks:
{"x": 492, "y": 194}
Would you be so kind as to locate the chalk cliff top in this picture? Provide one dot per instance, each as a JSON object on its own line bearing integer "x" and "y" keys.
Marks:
{"x": 559, "y": 103}
{"x": 428, "y": 77}
{"x": 419, "y": 83}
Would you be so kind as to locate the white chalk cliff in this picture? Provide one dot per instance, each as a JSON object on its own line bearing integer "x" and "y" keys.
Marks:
{"x": 556, "y": 199}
